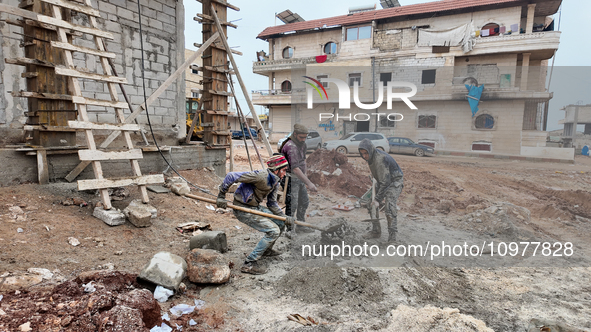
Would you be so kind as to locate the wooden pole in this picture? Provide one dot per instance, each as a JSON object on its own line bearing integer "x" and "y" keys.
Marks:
{"x": 244, "y": 91}
{"x": 232, "y": 157}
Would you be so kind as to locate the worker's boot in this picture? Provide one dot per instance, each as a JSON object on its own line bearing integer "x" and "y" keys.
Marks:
{"x": 253, "y": 267}
{"x": 375, "y": 233}
{"x": 391, "y": 235}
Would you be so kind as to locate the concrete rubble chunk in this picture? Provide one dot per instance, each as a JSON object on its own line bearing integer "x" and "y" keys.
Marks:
{"x": 207, "y": 266}
{"x": 337, "y": 172}
{"x": 180, "y": 188}
{"x": 112, "y": 217}
{"x": 215, "y": 240}
{"x": 140, "y": 214}
{"x": 165, "y": 269}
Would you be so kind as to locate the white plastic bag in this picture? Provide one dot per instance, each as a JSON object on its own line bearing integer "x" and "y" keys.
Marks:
{"x": 89, "y": 287}
{"x": 162, "y": 294}
{"x": 199, "y": 304}
{"x": 161, "y": 328}
{"x": 182, "y": 309}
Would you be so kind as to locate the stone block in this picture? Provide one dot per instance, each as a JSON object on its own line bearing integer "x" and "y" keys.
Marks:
{"x": 139, "y": 216}
{"x": 165, "y": 269}
{"x": 113, "y": 217}
{"x": 148, "y": 207}
{"x": 206, "y": 266}
{"x": 215, "y": 240}
{"x": 180, "y": 188}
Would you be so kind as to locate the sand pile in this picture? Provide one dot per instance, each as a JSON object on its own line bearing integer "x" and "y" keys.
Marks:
{"x": 332, "y": 169}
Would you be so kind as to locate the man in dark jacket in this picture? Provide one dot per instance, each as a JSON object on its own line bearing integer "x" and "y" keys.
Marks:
{"x": 254, "y": 187}
{"x": 389, "y": 183}
{"x": 294, "y": 149}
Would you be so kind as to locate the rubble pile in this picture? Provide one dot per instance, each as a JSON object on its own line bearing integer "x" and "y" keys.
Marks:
{"x": 332, "y": 169}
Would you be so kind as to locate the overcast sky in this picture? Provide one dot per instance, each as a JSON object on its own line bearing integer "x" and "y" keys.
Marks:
{"x": 570, "y": 85}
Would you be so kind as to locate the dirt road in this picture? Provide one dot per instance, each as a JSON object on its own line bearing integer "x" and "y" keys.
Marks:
{"x": 444, "y": 198}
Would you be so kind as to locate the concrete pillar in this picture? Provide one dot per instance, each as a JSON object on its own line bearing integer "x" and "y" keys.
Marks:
{"x": 529, "y": 25}
{"x": 524, "y": 71}
{"x": 181, "y": 84}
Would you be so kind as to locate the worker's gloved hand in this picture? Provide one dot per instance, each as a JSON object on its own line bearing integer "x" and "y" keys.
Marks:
{"x": 221, "y": 203}
{"x": 289, "y": 221}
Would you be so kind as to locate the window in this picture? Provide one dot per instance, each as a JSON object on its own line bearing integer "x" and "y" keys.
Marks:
{"x": 374, "y": 137}
{"x": 324, "y": 84}
{"x": 394, "y": 140}
{"x": 313, "y": 134}
{"x": 330, "y": 48}
{"x": 440, "y": 49}
{"x": 385, "y": 77}
{"x": 194, "y": 71}
{"x": 354, "y": 77}
{"x": 386, "y": 123}
{"x": 481, "y": 146}
{"x": 428, "y": 76}
{"x": 286, "y": 86}
{"x": 484, "y": 121}
{"x": 358, "y": 33}
{"x": 194, "y": 94}
{"x": 287, "y": 53}
{"x": 427, "y": 121}
{"x": 490, "y": 29}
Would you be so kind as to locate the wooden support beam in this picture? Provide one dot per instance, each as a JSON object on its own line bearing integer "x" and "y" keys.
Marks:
{"x": 71, "y": 5}
{"x": 99, "y": 102}
{"x": 202, "y": 17}
{"x": 113, "y": 183}
{"x": 180, "y": 70}
{"x": 28, "y": 94}
{"x": 29, "y": 74}
{"x": 27, "y": 61}
{"x": 70, "y": 47}
{"x": 42, "y": 167}
{"x": 221, "y": 93}
{"x": 47, "y": 128}
{"x": 79, "y": 74}
{"x": 97, "y": 155}
{"x": 242, "y": 85}
{"x": 221, "y": 48}
{"x": 103, "y": 126}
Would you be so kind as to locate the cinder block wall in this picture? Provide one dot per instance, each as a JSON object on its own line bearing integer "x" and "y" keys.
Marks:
{"x": 163, "y": 41}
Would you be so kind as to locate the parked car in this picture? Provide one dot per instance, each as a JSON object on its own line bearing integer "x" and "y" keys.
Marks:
{"x": 407, "y": 146}
{"x": 350, "y": 142}
{"x": 237, "y": 134}
{"x": 313, "y": 141}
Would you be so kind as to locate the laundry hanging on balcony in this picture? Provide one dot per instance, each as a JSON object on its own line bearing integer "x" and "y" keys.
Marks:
{"x": 474, "y": 94}
{"x": 321, "y": 58}
{"x": 457, "y": 36}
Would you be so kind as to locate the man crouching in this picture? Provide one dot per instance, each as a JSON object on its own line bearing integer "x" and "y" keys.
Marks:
{"x": 254, "y": 187}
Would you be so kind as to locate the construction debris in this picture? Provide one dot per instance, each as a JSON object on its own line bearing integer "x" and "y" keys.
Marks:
{"x": 112, "y": 217}
{"x": 165, "y": 269}
{"x": 206, "y": 266}
{"x": 215, "y": 240}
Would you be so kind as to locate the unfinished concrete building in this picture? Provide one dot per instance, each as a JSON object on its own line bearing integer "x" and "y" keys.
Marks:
{"x": 440, "y": 47}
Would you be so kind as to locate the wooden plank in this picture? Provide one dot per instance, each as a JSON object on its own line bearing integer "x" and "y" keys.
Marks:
{"x": 29, "y": 74}
{"x": 27, "y": 61}
{"x": 76, "y": 73}
{"x": 28, "y": 94}
{"x": 71, "y": 5}
{"x": 219, "y": 47}
{"x": 26, "y": 3}
{"x": 223, "y": 3}
{"x": 70, "y": 47}
{"x": 180, "y": 70}
{"x": 23, "y": 23}
{"x": 97, "y": 155}
{"x": 47, "y": 128}
{"x": 114, "y": 183}
{"x": 103, "y": 126}
{"x": 99, "y": 102}
{"x": 221, "y": 93}
{"x": 53, "y": 21}
{"x": 203, "y": 17}
{"x": 42, "y": 167}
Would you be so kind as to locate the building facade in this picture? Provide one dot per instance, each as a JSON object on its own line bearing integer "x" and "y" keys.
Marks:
{"x": 442, "y": 48}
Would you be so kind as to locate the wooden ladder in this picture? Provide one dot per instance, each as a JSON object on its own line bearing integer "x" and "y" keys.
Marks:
{"x": 94, "y": 155}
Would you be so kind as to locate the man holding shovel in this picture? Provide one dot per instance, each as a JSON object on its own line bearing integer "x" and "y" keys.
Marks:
{"x": 389, "y": 183}
{"x": 254, "y": 187}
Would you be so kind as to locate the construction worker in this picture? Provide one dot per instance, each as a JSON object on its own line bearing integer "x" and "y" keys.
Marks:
{"x": 254, "y": 187}
{"x": 389, "y": 183}
{"x": 294, "y": 149}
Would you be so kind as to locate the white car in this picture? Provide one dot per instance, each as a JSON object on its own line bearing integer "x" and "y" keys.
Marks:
{"x": 313, "y": 141}
{"x": 350, "y": 142}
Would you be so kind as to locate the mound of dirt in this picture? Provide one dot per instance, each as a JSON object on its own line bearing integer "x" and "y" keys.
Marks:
{"x": 333, "y": 285}
{"x": 332, "y": 169}
{"x": 434, "y": 319}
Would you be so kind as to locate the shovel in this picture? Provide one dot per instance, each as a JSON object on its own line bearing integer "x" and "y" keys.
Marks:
{"x": 373, "y": 210}
{"x": 264, "y": 214}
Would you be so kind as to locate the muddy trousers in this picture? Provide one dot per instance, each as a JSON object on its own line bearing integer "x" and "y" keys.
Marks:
{"x": 271, "y": 227}
{"x": 297, "y": 200}
{"x": 391, "y": 210}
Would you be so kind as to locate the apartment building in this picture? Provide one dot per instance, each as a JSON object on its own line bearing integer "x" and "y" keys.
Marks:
{"x": 499, "y": 48}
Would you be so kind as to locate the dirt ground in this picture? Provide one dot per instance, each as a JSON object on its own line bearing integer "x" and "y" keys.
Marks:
{"x": 444, "y": 198}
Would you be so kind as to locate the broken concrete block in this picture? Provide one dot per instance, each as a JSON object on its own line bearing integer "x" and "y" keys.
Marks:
{"x": 337, "y": 172}
{"x": 139, "y": 203}
{"x": 165, "y": 269}
{"x": 180, "y": 188}
{"x": 215, "y": 240}
{"x": 112, "y": 217}
{"x": 206, "y": 266}
{"x": 140, "y": 214}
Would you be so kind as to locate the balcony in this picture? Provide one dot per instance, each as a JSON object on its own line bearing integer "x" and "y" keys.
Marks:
{"x": 262, "y": 67}
{"x": 274, "y": 97}
{"x": 541, "y": 44}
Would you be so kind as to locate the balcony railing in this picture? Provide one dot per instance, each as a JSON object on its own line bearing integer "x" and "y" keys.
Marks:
{"x": 275, "y": 92}
{"x": 287, "y": 63}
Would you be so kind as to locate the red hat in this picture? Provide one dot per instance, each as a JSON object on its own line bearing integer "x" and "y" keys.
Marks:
{"x": 277, "y": 162}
